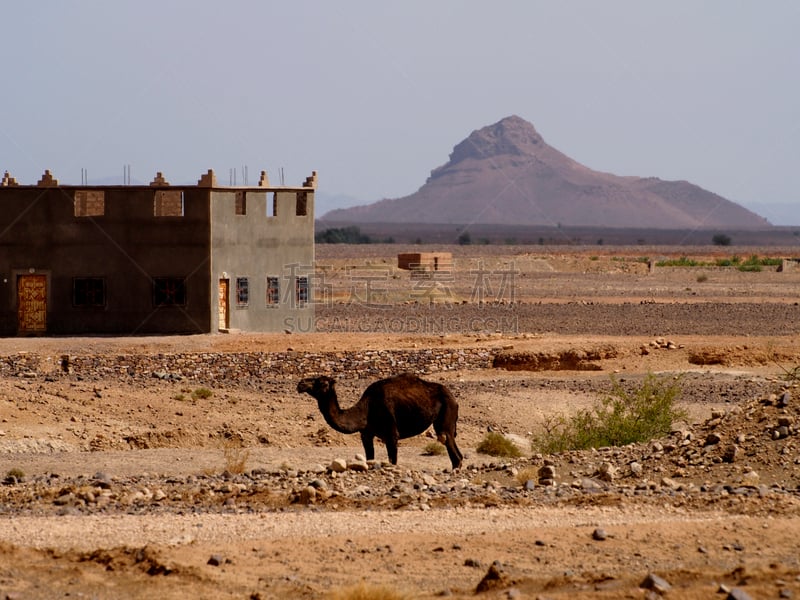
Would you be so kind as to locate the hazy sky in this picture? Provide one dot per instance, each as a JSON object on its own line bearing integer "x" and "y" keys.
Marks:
{"x": 374, "y": 95}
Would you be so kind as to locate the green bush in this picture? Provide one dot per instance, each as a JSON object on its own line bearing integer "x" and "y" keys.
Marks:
{"x": 623, "y": 417}
{"x": 202, "y": 393}
{"x": 683, "y": 261}
{"x": 495, "y": 444}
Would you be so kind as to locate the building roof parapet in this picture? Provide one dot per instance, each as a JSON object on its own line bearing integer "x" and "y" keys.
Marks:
{"x": 159, "y": 181}
{"x": 311, "y": 181}
{"x": 208, "y": 180}
{"x": 8, "y": 181}
{"x": 47, "y": 180}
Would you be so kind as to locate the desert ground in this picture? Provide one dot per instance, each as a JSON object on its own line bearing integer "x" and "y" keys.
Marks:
{"x": 145, "y": 480}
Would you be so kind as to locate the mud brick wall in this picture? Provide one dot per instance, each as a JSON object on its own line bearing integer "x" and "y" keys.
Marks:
{"x": 250, "y": 367}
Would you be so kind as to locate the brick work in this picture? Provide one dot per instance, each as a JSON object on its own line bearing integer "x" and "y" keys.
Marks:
{"x": 89, "y": 203}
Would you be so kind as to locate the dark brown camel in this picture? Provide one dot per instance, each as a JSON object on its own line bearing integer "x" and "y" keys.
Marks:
{"x": 390, "y": 409}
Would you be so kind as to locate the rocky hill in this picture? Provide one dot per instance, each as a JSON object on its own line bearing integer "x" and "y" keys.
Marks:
{"x": 507, "y": 174}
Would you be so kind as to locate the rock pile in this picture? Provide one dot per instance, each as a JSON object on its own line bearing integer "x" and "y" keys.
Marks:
{"x": 209, "y": 368}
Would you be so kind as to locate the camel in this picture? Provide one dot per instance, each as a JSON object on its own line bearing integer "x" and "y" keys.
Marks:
{"x": 390, "y": 409}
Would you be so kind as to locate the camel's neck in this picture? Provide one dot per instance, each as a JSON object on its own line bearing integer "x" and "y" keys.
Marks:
{"x": 344, "y": 421}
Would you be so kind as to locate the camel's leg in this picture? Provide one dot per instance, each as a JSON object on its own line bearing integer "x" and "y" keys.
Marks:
{"x": 368, "y": 441}
{"x": 449, "y": 442}
{"x": 445, "y": 427}
{"x": 391, "y": 442}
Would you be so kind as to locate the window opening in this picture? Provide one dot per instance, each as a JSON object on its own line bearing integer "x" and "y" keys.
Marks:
{"x": 301, "y": 205}
{"x": 242, "y": 291}
{"x": 272, "y": 207}
{"x": 169, "y": 291}
{"x": 273, "y": 291}
{"x": 241, "y": 203}
{"x": 88, "y": 291}
{"x": 301, "y": 290}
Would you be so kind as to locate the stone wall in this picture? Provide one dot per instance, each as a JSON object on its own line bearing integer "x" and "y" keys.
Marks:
{"x": 249, "y": 367}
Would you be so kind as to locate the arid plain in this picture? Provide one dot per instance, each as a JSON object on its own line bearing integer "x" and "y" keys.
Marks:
{"x": 147, "y": 480}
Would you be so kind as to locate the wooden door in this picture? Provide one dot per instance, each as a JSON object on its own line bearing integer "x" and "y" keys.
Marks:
{"x": 224, "y": 285}
{"x": 32, "y": 304}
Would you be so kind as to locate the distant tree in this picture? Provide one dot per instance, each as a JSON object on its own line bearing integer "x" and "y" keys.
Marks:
{"x": 720, "y": 239}
{"x": 465, "y": 239}
{"x": 342, "y": 235}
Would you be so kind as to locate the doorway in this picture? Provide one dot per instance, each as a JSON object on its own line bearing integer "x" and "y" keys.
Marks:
{"x": 224, "y": 303}
{"x": 31, "y": 304}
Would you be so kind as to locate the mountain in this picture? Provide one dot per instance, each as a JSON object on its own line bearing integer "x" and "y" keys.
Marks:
{"x": 507, "y": 174}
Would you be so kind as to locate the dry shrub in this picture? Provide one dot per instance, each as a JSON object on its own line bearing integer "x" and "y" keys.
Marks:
{"x": 235, "y": 457}
{"x": 433, "y": 449}
{"x": 526, "y": 474}
{"x": 366, "y": 591}
{"x": 495, "y": 444}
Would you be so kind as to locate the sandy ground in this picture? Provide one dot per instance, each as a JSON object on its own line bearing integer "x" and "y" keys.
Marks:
{"x": 122, "y": 490}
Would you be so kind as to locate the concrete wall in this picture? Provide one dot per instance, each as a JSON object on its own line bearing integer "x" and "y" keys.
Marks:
{"x": 270, "y": 239}
{"x": 126, "y": 245}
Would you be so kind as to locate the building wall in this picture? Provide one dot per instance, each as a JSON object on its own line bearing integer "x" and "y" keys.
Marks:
{"x": 126, "y": 246}
{"x": 269, "y": 240}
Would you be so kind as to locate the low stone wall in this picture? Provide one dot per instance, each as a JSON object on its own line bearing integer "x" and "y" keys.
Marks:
{"x": 246, "y": 367}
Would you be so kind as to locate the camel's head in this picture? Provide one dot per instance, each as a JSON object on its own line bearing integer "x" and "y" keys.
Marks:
{"x": 316, "y": 386}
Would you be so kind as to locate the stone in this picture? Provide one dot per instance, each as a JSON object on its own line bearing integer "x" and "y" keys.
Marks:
{"x": 655, "y": 583}
{"x": 357, "y": 465}
{"x": 338, "y": 465}
{"x": 215, "y": 560}
{"x": 738, "y": 594}
{"x": 599, "y": 535}
{"x": 730, "y": 453}
{"x": 750, "y": 478}
{"x": 495, "y": 578}
{"x": 547, "y": 472}
{"x": 636, "y": 469}
{"x": 608, "y": 472}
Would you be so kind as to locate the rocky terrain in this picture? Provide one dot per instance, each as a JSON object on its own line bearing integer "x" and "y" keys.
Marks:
{"x": 190, "y": 465}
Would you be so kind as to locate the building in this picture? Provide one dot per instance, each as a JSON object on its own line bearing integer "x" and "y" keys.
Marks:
{"x": 155, "y": 259}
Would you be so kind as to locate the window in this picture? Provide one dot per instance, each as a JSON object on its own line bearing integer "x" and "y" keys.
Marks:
{"x": 169, "y": 291}
{"x": 301, "y": 290}
{"x": 241, "y": 203}
{"x": 273, "y": 291}
{"x": 272, "y": 207}
{"x": 90, "y": 203}
{"x": 88, "y": 291}
{"x": 168, "y": 203}
{"x": 242, "y": 291}
{"x": 301, "y": 207}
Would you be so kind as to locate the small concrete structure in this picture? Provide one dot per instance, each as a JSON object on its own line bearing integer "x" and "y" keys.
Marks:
{"x": 425, "y": 262}
{"x": 789, "y": 265}
{"x": 157, "y": 258}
